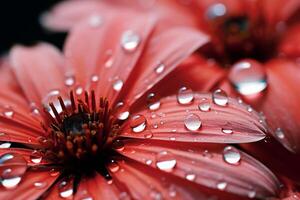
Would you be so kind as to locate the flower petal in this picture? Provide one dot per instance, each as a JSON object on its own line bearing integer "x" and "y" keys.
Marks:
{"x": 102, "y": 52}
{"x": 205, "y": 165}
{"x": 163, "y": 53}
{"x": 290, "y": 44}
{"x": 32, "y": 186}
{"x": 38, "y": 69}
{"x": 220, "y": 124}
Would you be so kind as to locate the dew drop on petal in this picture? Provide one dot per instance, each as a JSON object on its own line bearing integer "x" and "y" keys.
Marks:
{"x": 10, "y": 183}
{"x": 227, "y": 131}
{"x": 216, "y": 10}
{"x": 70, "y": 81}
{"x": 36, "y": 157}
{"x": 153, "y": 102}
{"x": 54, "y": 172}
{"x": 148, "y": 135}
{"x": 5, "y": 145}
{"x": 121, "y": 110}
{"x": 113, "y": 166}
{"x": 185, "y": 96}
{"x": 79, "y": 90}
{"x": 66, "y": 188}
{"x": 231, "y": 155}
{"x": 279, "y": 133}
{"x": 8, "y": 112}
{"x": 204, "y": 105}
{"x": 138, "y": 123}
{"x": 95, "y": 21}
{"x": 148, "y": 162}
{"x": 118, "y": 145}
{"x": 248, "y": 77}
{"x": 220, "y": 97}
{"x": 165, "y": 161}
{"x": 190, "y": 176}
{"x": 192, "y": 122}
{"x": 34, "y": 110}
{"x": 117, "y": 85}
{"x": 94, "y": 78}
{"x": 160, "y": 68}
{"x": 222, "y": 185}
{"x": 130, "y": 41}
{"x": 40, "y": 184}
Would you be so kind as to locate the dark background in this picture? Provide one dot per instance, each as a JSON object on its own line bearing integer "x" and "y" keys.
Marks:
{"x": 20, "y": 23}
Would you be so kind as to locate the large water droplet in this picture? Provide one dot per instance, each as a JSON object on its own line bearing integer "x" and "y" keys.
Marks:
{"x": 153, "y": 102}
{"x": 185, "y": 96}
{"x": 138, "y": 123}
{"x": 192, "y": 122}
{"x": 5, "y": 145}
{"x": 113, "y": 166}
{"x": 165, "y": 161}
{"x": 117, "y": 85}
{"x": 11, "y": 183}
{"x": 66, "y": 188}
{"x": 231, "y": 155}
{"x": 220, "y": 97}
{"x": 130, "y": 41}
{"x": 160, "y": 68}
{"x": 122, "y": 111}
{"x": 248, "y": 77}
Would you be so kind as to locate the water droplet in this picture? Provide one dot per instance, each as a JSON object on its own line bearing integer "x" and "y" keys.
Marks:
{"x": 185, "y": 96}
{"x": 36, "y": 157}
{"x": 192, "y": 122}
{"x": 5, "y": 145}
{"x": 190, "y": 176}
{"x": 204, "y": 106}
{"x": 11, "y": 183}
{"x": 153, "y": 102}
{"x": 118, "y": 145}
{"x": 231, "y": 155}
{"x": 216, "y": 10}
{"x": 130, "y": 41}
{"x": 95, "y": 78}
{"x": 95, "y": 21}
{"x": 122, "y": 111}
{"x": 148, "y": 135}
{"x": 220, "y": 97}
{"x": 34, "y": 109}
{"x": 159, "y": 68}
{"x": 138, "y": 123}
{"x": 248, "y": 77}
{"x": 79, "y": 90}
{"x": 148, "y": 162}
{"x": 54, "y": 172}
{"x": 222, "y": 185}
{"x": 40, "y": 185}
{"x": 252, "y": 194}
{"x": 165, "y": 161}
{"x": 8, "y": 112}
{"x": 227, "y": 130}
{"x": 66, "y": 188}
{"x": 279, "y": 133}
{"x": 69, "y": 81}
{"x": 113, "y": 166}
{"x": 117, "y": 85}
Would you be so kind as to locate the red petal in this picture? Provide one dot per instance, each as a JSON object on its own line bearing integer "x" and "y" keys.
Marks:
{"x": 31, "y": 187}
{"x": 168, "y": 122}
{"x": 101, "y": 52}
{"x": 290, "y": 44}
{"x": 38, "y": 70}
{"x": 294, "y": 196}
{"x": 166, "y": 50}
{"x": 200, "y": 164}
{"x": 97, "y": 188}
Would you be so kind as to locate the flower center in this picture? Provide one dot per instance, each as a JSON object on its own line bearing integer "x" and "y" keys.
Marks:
{"x": 238, "y": 37}
{"x": 80, "y": 136}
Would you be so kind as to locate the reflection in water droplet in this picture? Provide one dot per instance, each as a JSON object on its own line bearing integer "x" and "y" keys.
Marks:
{"x": 222, "y": 185}
{"x": 113, "y": 166}
{"x": 117, "y": 85}
{"x": 5, "y": 145}
{"x": 66, "y": 188}
{"x": 130, "y": 41}
{"x": 10, "y": 183}
{"x": 220, "y": 97}
{"x": 190, "y": 176}
{"x": 138, "y": 123}
{"x": 231, "y": 155}
{"x": 192, "y": 122}
{"x": 215, "y": 11}
{"x": 36, "y": 157}
{"x": 148, "y": 162}
{"x": 122, "y": 111}
{"x": 185, "y": 96}
{"x": 159, "y": 68}
{"x": 227, "y": 130}
{"x": 153, "y": 102}
{"x": 248, "y": 77}
{"x": 165, "y": 161}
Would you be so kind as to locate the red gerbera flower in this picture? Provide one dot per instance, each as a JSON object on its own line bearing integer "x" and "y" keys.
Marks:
{"x": 256, "y": 43}
{"x": 78, "y": 125}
